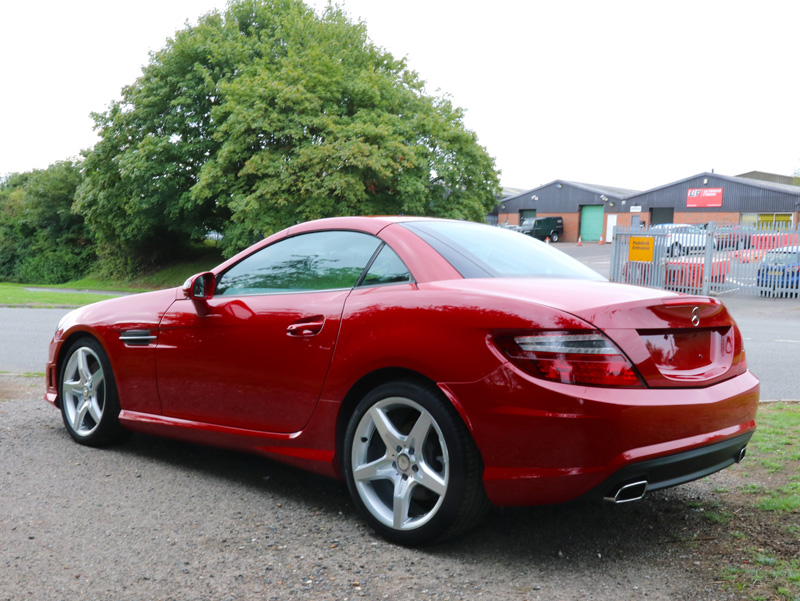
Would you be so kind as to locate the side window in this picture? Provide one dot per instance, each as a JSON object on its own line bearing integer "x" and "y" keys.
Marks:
{"x": 387, "y": 268}
{"x": 314, "y": 261}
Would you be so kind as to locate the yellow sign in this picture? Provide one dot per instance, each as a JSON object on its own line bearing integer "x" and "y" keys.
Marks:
{"x": 641, "y": 249}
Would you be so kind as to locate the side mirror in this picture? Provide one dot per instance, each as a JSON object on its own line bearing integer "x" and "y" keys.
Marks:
{"x": 199, "y": 286}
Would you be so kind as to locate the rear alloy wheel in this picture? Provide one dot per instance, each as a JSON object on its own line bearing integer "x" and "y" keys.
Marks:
{"x": 411, "y": 465}
{"x": 89, "y": 403}
{"x": 554, "y": 237}
{"x": 676, "y": 250}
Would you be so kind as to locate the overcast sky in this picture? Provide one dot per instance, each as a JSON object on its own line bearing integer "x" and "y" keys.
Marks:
{"x": 631, "y": 94}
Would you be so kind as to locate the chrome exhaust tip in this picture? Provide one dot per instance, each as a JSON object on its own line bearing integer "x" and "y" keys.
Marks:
{"x": 740, "y": 455}
{"x": 630, "y": 492}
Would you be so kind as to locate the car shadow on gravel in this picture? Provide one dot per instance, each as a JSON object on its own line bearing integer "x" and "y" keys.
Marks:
{"x": 238, "y": 468}
{"x": 661, "y": 544}
{"x": 579, "y": 530}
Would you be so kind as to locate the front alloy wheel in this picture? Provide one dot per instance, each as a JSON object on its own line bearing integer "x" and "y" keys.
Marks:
{"x": 88, "y": 396}
{"x": 411, "y": 466}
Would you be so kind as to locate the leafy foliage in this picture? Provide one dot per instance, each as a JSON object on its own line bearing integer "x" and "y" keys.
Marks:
{"x": 267, "y": 115}
{"x": 41, "y": 239}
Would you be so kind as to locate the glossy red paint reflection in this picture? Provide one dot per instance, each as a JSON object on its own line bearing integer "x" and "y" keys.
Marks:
{"x": 560, "y": 382}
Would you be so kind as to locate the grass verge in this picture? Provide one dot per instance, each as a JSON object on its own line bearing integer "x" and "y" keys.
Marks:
{"x": 31, "y": 295}
{"x": 769, "y": 568}
{"x": 20, "y": 295}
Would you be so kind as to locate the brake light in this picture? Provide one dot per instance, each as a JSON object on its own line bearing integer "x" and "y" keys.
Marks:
{"x": 572, "y": 358}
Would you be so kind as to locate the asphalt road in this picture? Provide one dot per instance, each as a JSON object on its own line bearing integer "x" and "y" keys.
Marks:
{"x": 25, "y": 336}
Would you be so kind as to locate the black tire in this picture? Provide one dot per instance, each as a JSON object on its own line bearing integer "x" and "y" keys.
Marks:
{"x": 406, "y": 437}
{"x": 675, "y": 250}
{"x": 88, "y": 395}
{"x": 554, "y": 237}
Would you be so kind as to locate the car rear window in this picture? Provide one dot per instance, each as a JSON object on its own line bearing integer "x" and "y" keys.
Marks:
{"x": 479, "y": 251}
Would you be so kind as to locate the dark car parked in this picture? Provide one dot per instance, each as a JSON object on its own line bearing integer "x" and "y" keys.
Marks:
{"x": 543, "y": 228}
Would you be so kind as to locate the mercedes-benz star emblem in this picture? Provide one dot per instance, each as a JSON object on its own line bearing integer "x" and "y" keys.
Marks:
{"x": 696, "y": 316}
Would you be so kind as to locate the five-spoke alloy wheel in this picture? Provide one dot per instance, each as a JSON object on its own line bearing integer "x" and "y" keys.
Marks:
{"x": 411, "y": 465}
{"x": 88, "y": 395}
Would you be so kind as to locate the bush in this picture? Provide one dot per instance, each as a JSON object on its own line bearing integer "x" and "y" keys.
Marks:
{"x": 41, "y": 239}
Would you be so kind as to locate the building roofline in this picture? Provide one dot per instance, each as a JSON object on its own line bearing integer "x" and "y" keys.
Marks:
{"x": 611, "y": 191}
{"x": 755, "y": 183}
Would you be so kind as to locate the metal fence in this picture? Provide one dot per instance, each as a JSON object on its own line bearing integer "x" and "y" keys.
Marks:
{"x": 753, "y": 260}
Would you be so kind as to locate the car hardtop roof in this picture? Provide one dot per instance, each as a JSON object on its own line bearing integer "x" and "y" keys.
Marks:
{"x": 368, "y": 223}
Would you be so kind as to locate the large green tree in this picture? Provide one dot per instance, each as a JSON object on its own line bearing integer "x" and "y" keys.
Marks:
{"x": 270, "y": 114}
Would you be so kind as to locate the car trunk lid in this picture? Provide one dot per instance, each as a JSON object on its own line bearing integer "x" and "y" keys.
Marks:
{"x": 674, "y": 342}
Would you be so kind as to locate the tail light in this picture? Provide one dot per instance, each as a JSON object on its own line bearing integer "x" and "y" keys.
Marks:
{"x": 570, "y": 357}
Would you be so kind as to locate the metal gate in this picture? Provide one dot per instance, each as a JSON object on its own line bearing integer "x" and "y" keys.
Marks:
{"x": 755, "y": 260}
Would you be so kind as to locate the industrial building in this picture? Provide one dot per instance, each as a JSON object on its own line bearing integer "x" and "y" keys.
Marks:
{"x": 591, "y": 212}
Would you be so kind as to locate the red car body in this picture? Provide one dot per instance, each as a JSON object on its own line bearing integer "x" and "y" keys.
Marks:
{"x": 281, "y": 374}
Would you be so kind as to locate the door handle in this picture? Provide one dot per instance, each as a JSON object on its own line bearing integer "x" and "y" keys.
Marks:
{"x": 310, "y": 327}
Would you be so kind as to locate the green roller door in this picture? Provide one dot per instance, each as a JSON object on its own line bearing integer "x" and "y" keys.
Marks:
{"x": 591, "y": 222}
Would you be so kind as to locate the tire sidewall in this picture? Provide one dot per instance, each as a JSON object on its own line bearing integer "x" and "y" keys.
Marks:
{"x": 450, "y": 425}
{"x": 109, "y": 429}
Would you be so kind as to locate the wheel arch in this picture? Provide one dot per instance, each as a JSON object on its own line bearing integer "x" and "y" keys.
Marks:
{"x": 65, "y": 344}
{"x": 371, "y": 381}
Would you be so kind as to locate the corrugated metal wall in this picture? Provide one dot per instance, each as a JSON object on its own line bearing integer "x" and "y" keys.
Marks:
{"x": 738, "y": 197}
{"x": 552, "y": 199}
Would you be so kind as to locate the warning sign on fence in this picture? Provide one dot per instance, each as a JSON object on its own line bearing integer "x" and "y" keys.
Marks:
{"x": 641, "y": 249}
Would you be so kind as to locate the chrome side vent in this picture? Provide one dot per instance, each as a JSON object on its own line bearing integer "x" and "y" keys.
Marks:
{"x": 137, "y": 337}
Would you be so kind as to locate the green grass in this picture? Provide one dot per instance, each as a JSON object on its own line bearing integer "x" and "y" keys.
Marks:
{"x": 776, "y": 447}
{"x": 784, "y": 498}
{"x": 782, "y": 576}
{"x": 774, "y": 450}
{"x": 776, "y": 444}
{"x": 26, "y": 295}
{"x": 713, "y": 511}
{"x": 19, "y": 295}
{"x": 167, "y": 277}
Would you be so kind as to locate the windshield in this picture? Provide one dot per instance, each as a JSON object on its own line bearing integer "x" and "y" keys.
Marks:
{"x": 479, "y": 251}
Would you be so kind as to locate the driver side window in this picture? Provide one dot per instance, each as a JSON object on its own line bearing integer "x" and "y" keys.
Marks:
{"x": 313, "y": 261}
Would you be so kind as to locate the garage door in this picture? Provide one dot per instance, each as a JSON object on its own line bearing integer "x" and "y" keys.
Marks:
{"x": 591, "y": 222}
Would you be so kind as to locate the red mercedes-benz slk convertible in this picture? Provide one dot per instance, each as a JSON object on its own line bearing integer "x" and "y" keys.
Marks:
{"x": 437, "y": 366}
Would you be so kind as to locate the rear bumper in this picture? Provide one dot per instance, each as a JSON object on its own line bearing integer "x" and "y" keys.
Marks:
{"x": 544, "y": 442}
{"x": 672, "y": 470}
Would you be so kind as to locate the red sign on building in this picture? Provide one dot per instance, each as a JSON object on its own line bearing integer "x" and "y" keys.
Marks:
{"x": 704, "y": 197}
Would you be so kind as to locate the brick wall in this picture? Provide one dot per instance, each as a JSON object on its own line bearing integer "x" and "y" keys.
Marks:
{"x": 571, "y": 221}
{"x": 624, "y": 219}
{"x": 699, "y": 218}
{"x": 511, "y": 218}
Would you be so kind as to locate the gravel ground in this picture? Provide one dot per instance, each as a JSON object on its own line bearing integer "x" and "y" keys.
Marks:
{"x": 157, "y": 519}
